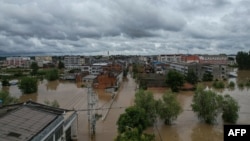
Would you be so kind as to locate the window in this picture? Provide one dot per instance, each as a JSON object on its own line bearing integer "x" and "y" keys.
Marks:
{"x": 58, "y": 132}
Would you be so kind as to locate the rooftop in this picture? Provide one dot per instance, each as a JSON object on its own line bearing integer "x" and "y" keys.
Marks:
{"x": 22, "y": 122}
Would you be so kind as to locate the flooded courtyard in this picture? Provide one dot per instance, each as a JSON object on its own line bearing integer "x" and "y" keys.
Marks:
{"x": 187, "y": 127}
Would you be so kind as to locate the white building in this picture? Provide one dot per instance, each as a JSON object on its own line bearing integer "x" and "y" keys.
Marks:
{"x": 169, "y": 58}
{"x": 18, "y": 62}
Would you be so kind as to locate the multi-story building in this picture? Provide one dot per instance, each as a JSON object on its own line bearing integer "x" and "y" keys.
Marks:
{"x": 218, "y": 71}
{"x": 18, "y": 62}
{"x": 74, "y": 61}
{"x": 41, "y": 60}
{"x": 185, "y": 67}
{"x": 170, "y": 58}
{"x": 213, "y": 59}
{"x": 190, "y": 58}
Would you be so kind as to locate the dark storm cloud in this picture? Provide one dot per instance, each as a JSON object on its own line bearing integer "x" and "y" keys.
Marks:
{"x": 127, "y": 26}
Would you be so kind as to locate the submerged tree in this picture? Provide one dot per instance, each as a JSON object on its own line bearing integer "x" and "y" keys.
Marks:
{"x": 6, "y": 98}
{"x": 133, "y": 134}
{"x": 145, "y": 100}
{"x": 54, "y": 103}
{"x": 28, "y": 85}
{"x": 230, "y": 109}
{"x": 243, "y": 60}
{"x": 206, "y": 104}
{"x": 52, "y": 74}
{"x": 34, "y": 68}
{"x": 191, "y": 77}
{"x": 207, "y": 76}
{"x": 168, "y": 108}
{"x": 133, "y": 117}
{"x": 175, "y": 80}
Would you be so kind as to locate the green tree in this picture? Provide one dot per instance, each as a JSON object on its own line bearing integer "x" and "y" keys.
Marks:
{"x": 145, "y": 100}
{"x": 230, "y": 109}
{"x": 5, "y": 82}
{"x": 7, "y": 99}
{"x": 243, "y": 60}
{"x": 60, "y": 65}
{"x": 143, "y": 84}
{"x": 125, "y": 73}
{"x": 231, "y": 84}
{"x": 207, "y": 76}
{"x": 133, "y": 117}
{"x": 34, "y": 68}
{"x": 191, "y": 77}
{"x": 132, "y": 134}
{"x": 168, "y": 108}
{"x": 52, "y": 104}
{"x": 28, "y": 85}
{"x": 135, "y": 70}
{"x": 218, "y": 84}
{"x": 52, "y": 74}
{"x": 174, "y": 80}
{"x": 206, "y": 104}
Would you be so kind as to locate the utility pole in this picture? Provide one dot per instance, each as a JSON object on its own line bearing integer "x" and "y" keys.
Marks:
{"x": 92, "y": 103}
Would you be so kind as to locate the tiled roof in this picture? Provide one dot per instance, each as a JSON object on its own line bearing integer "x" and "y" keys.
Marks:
{"x": 23, "y": 122}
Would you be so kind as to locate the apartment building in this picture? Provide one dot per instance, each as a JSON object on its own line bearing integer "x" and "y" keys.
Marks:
{"x": 169, "y": 58}
{"x": 41, "y": 60}
{"x": 190, "y": 58}
{"x": 74, "y": 61}
{"x": 18, "y": 62}
{"x": 218, "y": 71}
{"x": 213, "y": 59}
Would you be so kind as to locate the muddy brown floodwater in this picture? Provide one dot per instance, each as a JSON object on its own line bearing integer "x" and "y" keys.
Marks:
{"x": 187, "y": 127}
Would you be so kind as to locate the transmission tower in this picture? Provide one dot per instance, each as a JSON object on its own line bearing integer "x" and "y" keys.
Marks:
{"x": 92, "y": 105}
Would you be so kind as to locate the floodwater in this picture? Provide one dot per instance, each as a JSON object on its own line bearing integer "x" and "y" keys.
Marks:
{"x": 187, "y": 127}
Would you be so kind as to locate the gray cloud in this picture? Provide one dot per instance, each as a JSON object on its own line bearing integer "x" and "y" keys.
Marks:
{"x": 123, "y": 26}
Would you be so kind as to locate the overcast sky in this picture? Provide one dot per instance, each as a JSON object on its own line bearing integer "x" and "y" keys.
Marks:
{"x": 136, "y": 27}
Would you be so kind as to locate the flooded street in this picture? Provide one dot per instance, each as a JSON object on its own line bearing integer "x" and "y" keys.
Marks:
{"x": 187, "y": 127}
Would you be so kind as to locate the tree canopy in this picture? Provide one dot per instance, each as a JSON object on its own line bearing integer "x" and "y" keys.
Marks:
{"x": 243, "y": 60}
{"x": 174, "y": 80}
{"x": 145, "y": 100}
{"x": 6, "y": 98}
{"x": 134, "y": 117}
{"x": 208, "y": 105}
{"x": 34, "y": 68}
{"x": 132, "y": 134}
{"x": 168, "y": 108}
{"x": 207, "y": 76}
{"x": 52, "y": 74}
{"x": 53, "y": 103}
{"x": 60, "y": 65}
{"x": 230, "y": 109}
{"x": 191, "y": 77}
{"x": 28, "y": 85}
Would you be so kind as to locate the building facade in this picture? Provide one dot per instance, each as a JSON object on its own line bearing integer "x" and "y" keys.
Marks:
{"x": 23, "y": 62}
{"x": 170, "y": 58}
{"x": 74, "y": 61}
{"x": 213, "y": 59}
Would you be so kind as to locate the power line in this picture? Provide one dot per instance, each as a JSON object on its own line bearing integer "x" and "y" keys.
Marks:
{"x": 121, "y": 107}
